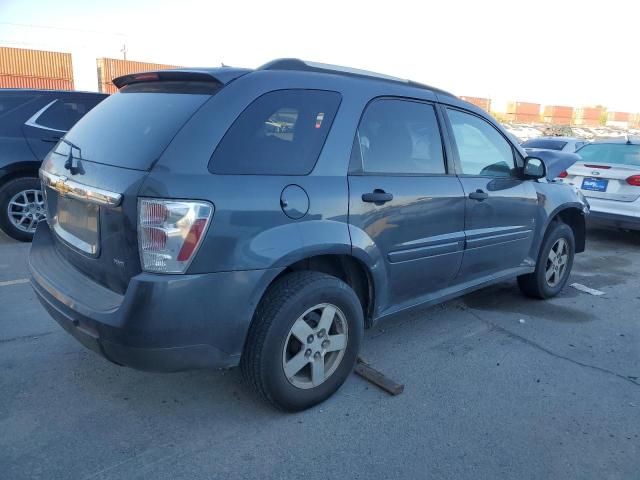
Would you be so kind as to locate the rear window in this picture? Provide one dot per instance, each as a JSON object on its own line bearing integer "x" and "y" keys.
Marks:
{"x": 544, "y": 143}
{"x": 280, "y": 133}
{"x": 626, "y": 154}
{"x": 131, "y": 130}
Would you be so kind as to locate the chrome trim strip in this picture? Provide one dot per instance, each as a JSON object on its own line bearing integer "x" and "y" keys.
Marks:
{"x": 73, "y": 189}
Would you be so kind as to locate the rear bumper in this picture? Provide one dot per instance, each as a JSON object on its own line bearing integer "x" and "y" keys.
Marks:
{"x": 615, "y": 220}
{"x": 616, "y": 214}
{"x": 161, "y": 323}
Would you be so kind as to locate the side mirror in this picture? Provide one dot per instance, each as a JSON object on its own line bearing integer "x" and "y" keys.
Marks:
{"x": 534, "y": 167}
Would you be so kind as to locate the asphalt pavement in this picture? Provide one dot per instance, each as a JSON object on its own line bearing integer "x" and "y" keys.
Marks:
{"x": 496, "y": 386}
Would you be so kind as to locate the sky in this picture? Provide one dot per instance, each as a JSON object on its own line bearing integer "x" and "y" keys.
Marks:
{"x": 560, "y": 52}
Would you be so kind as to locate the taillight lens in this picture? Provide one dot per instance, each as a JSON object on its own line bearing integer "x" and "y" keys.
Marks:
{"x": 170, "y": 232}
{"x": 563, "y": 175}
{"x": 634, "y": 180}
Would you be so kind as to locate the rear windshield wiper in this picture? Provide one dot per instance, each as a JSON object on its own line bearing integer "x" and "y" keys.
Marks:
{"x": 72, "y": 164}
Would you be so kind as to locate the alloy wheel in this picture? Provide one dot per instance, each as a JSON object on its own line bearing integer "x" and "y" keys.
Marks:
{"x": 315, "y": 346}
{"x": 557, "y": 262}
{"x": 26, "y": 209}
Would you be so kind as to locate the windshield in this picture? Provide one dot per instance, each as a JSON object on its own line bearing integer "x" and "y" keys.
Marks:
{"x": 622, "y": 153}
{"x": 131, "y": 130}
{"x": 544, "y": 143}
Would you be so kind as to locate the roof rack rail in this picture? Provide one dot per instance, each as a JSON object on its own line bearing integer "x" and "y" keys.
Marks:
{"x": 306, "y": 66}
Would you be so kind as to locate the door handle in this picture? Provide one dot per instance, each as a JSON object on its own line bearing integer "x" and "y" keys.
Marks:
{"x": 51, "y": 140}
{"x": 478, "y": 195}
{"x": 378, "y": 197}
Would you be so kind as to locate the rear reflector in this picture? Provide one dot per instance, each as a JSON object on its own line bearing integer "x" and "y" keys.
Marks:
{"x": 634, "y": 180}
{"x": 170, "y": 232}
{"x": 604, "y": 167}
{"x": 563, "y": 175}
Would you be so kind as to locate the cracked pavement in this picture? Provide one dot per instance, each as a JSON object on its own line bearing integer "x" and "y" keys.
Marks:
{"x": 496, "y": 386}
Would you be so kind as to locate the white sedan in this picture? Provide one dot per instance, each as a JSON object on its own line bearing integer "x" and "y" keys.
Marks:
{"x": 608, "y": 174}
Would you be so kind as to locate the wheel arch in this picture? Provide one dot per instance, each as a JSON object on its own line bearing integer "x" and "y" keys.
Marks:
{"x": 574, "y": 217}
{"x": 18, "y": 170}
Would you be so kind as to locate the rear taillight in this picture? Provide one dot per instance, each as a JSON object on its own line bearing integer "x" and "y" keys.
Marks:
{"x": 563, "y": 175}
{"x": 170, "y": 232}
{"x": 634, "y": 180}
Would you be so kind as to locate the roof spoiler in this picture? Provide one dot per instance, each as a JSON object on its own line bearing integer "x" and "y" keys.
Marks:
{"x": 217, "y": 76}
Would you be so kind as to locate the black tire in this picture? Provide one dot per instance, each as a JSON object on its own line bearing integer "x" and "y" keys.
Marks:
{"x": 7, "y": 191}
{"x": 535, "y": 284}
{"x": 282, "y": 305}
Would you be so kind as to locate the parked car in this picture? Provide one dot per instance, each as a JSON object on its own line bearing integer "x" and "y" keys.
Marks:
{"x": 31, "y": 123}
{"x": 608, "y": 174}
{"x": 561, "y": 144}
{"x": 184, "y": 231}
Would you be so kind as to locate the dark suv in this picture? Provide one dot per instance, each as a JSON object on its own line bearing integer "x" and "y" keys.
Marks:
{"x": 31, "y": 123}
{"x": 210, "y": 218}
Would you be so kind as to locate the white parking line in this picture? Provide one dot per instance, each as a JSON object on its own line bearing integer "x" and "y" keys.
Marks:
{"x": 583, "y": 288}
{"x": 14, "y": 282}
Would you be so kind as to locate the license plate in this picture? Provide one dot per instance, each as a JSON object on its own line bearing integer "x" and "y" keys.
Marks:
{"x": 76, "y": 223}
{"x": 595, "y": 184}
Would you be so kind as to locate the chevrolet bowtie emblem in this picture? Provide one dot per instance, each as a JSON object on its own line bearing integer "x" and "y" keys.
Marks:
{"x": 61, "y": 185}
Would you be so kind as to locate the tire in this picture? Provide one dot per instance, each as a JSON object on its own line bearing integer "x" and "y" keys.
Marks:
{"x": 535, "y": 284}
{"x": 272, "y": 345}
{"x": 9, "y": 190}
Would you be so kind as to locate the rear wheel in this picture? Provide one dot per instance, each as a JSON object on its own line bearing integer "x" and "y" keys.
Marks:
{"x": 21, "y": 207}
{"x": 304, "y": 340}
{"x": 554, "y": 263}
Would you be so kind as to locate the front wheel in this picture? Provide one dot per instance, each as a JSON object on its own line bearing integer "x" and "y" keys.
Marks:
{"x": 304, "y": 340}
{"x": 554, "y": 263}
{"x": 21, "y": 207}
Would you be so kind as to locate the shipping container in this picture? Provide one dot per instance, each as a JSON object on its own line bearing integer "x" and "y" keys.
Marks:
{"x": 588, "y": 116}
{"x": 483, "y": 103}
{"x": 558, "y": 114}
{"x": 35, "y": 63}
{"x": 110, "y": 68}
{"x": 618, "y": 116}
{"x": 526, "y": 112}
{"x": 19, "y": 81}
{"x": 634, "y": 120}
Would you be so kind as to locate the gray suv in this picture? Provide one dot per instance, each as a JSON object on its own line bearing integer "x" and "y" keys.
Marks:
{"x": 264, "y": 218}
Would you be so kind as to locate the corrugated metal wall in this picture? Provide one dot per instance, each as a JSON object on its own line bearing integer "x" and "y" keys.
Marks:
{"x": 24, "y": 68}
{"x": 110, "y": 68}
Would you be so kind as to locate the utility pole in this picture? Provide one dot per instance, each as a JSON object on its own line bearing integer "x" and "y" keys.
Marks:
{"x": 123, "y": 50}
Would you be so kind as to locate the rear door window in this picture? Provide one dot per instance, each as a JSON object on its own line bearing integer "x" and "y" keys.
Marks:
{"x": 280, "y": 133}
{"x": 398, "y": 137}
{"x": 63, "y": 113}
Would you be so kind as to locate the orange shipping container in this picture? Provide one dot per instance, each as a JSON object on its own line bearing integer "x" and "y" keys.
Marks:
{"x": 558, "y": 114}
{"x": 588, "y": 116}
{"x": 18, "y": 81}
{"x": 35, "y": 63}
{"x": 523, "y": 111}
{"x": 484, "y": 103}
{"x": 110, "y": 68}
{"x": 618, "y": 116}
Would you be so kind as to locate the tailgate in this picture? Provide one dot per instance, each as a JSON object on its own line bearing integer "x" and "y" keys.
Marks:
{"x": 92, "y": 215}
